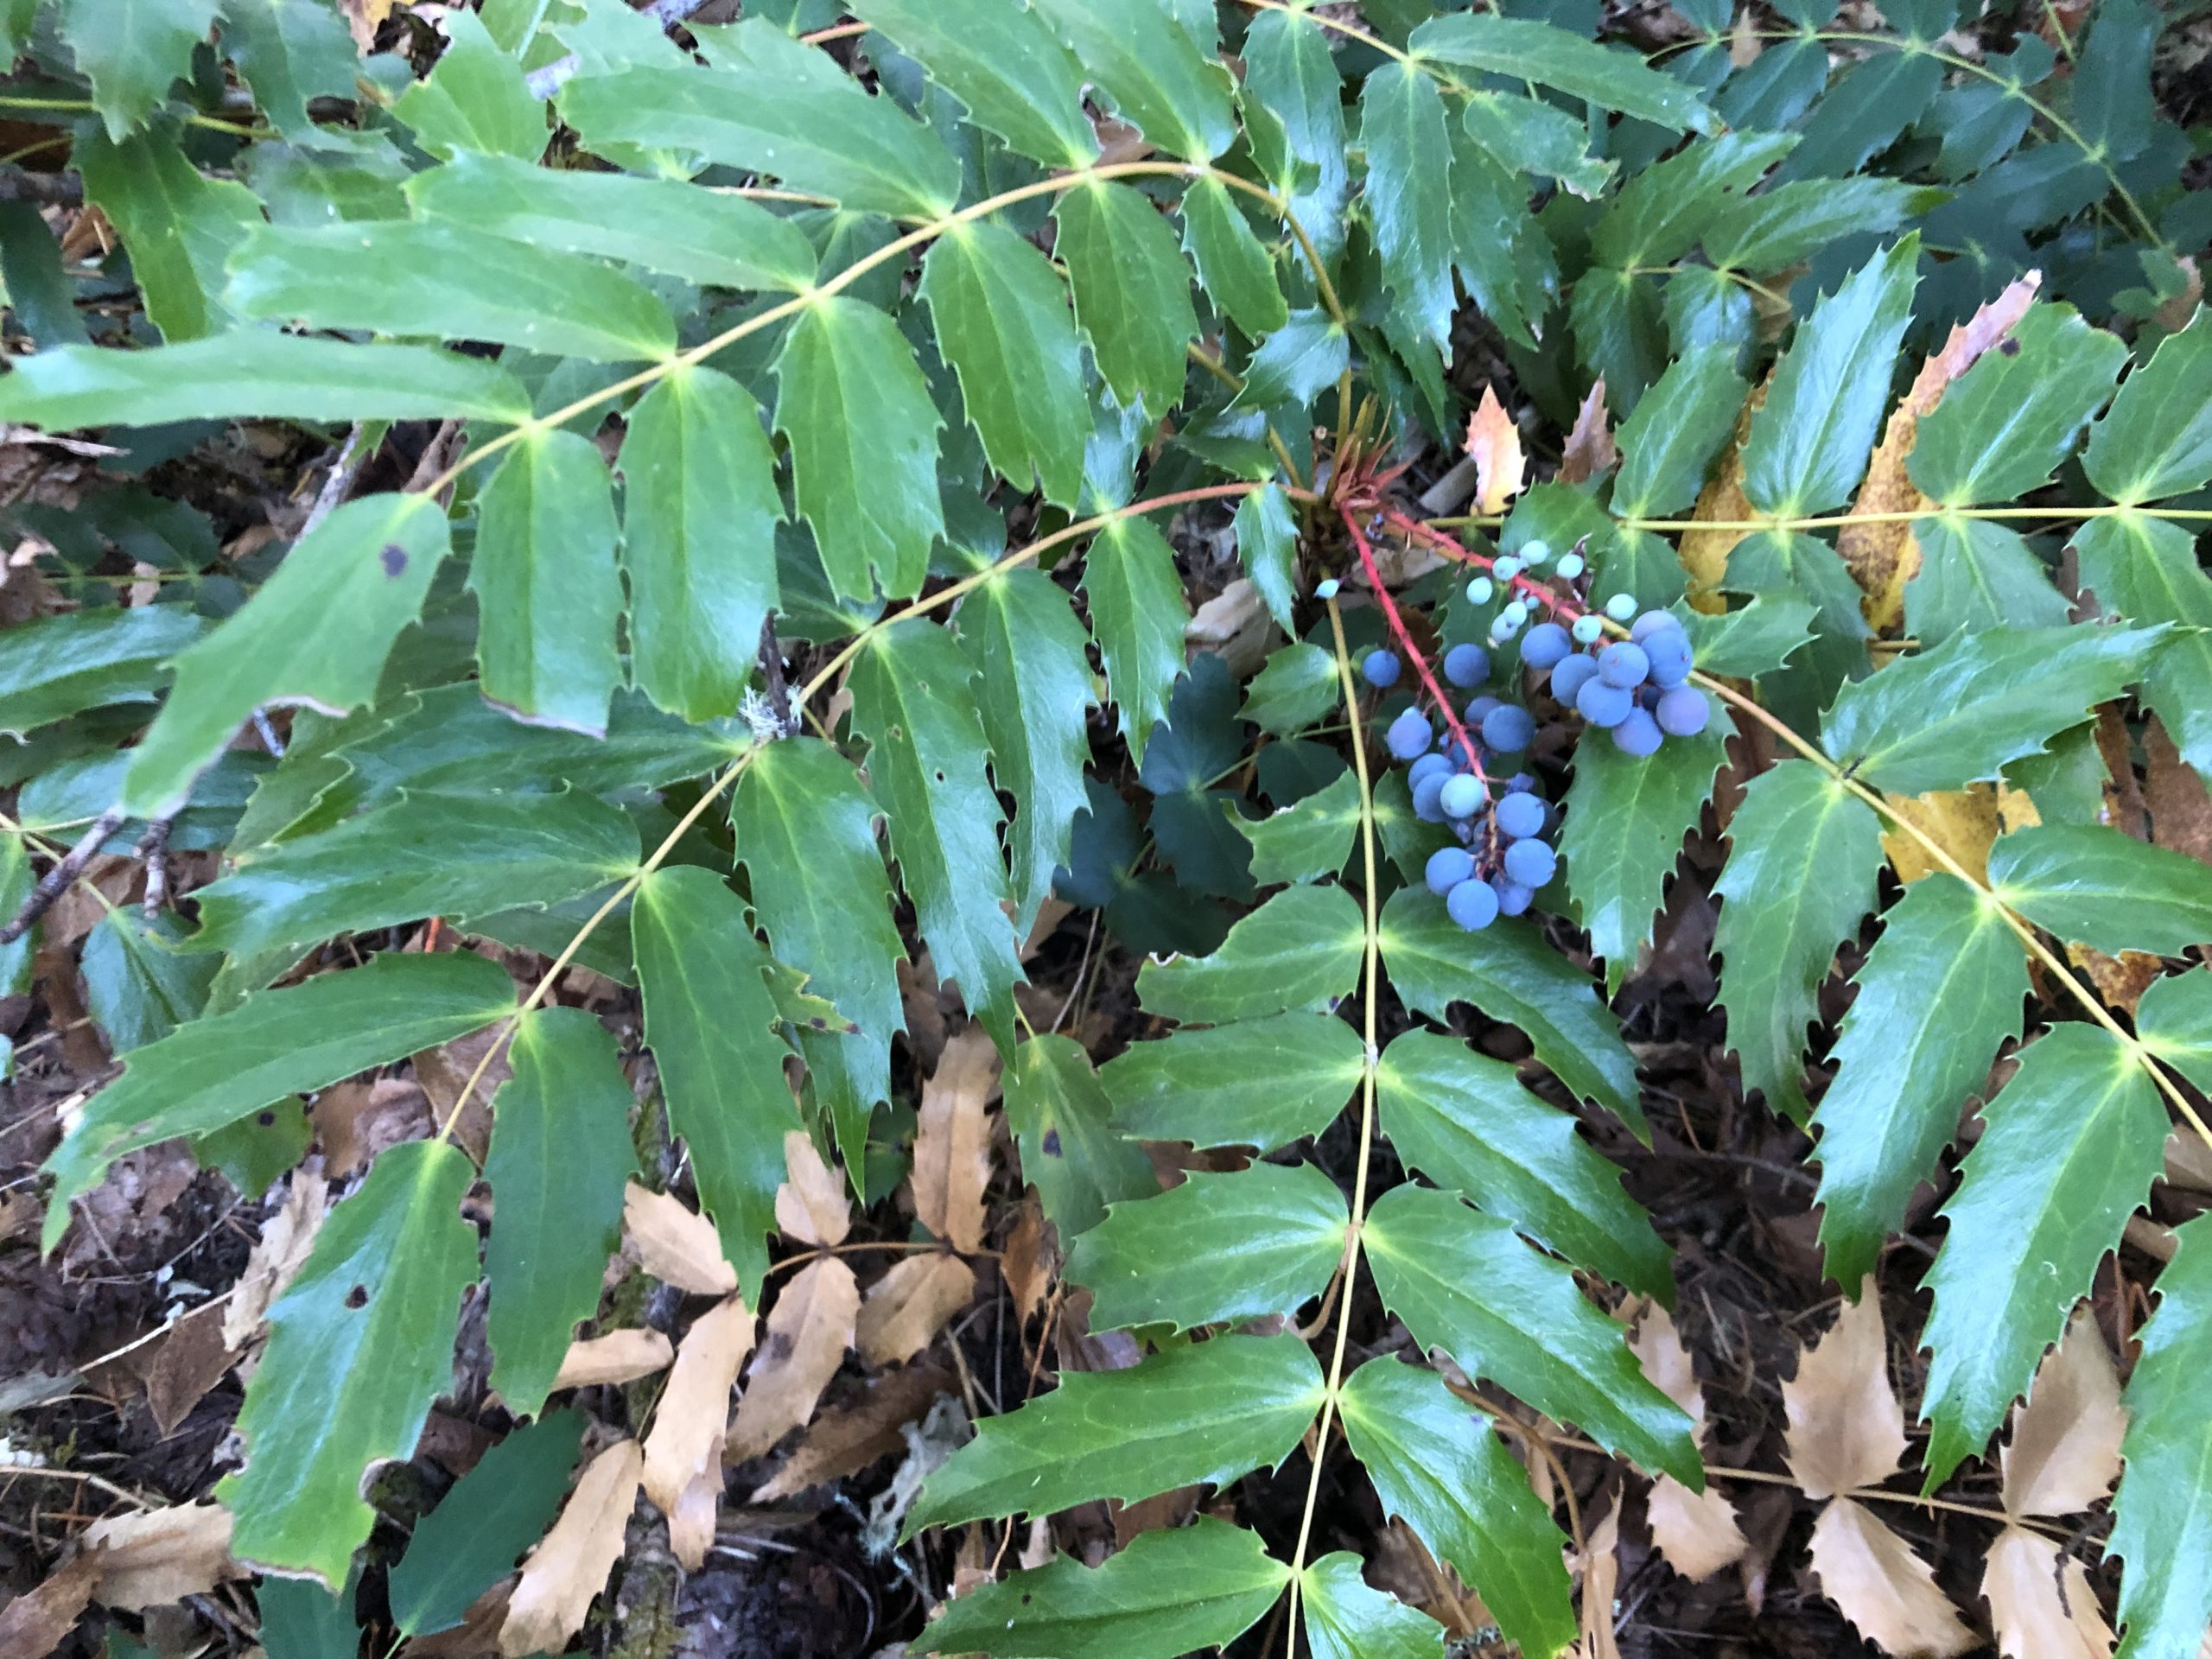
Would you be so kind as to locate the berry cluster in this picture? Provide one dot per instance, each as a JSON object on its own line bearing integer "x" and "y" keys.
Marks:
{"x": 1638, "y": 688}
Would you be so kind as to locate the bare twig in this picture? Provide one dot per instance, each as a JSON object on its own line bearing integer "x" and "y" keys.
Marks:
{"x": 154, "y": 848}
{"x": 56, "y": 882}
{"x": 337, "y": 483}
{"x": 771, "y": 675}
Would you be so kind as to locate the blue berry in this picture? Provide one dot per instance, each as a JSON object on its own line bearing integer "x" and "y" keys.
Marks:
{"x": 1508, "y": 728}
{"x": 1536, "y": 552}
{"x": 1588, "y": 629}
{"x": 1409, "y": 735}
{"x": 1520, "y": 784}
{"x": 1479, "y": 590}
{"x": 1520, "y": 817}
{"x": 1653, "y": 622}
{"x": 1381, "y": 669}
{"x": 1571, "y": 675}
{"x": 1466, "y": 665}
{"x": 1480, "y": 708}
{"x": 1623, "y": 665}
{"x": 1530, "y": 863}
{"x": 1447, "y": 868}
{"x": 1325, "y": 589}
{"x": 1505, "y": 569}
{"x": 1425, "y": 795}
{"x": 1437, "y": 763}
{"x": 1621, "y": 607}
{"x": 1571, "y": 565}
{"x": 1637, "y": 733}
{"x": 1513, "y": 898}
{"x": 1683, "y": 712}
{"x": 1670, "y": 655}
{"x": 1461, "y": 797}
{"x": 1474, "y": 905}
{"x": 1602, "y": 704}
{"x": 1546, "y": 645}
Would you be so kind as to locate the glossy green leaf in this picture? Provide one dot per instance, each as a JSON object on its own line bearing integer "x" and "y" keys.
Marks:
{"x": 662, "y": 224}
{"x": 2006, "y": 424}
{"x": 1809, "y": 441}
{"x": 1261, "y": 1083}
{"x": 1071, "y": 1150}
{"x": 1948, "y": 717}
{"x": 2162, "y": 1514}
{"x": 1347, "y": 1620}
{"x": 1787, "y": 223}
{"x": 1466, "y": 1283}
{"x": 1661, "y": 211}
{"x": 1803, "y": 856}
{"x": 289, "y": 52}
{"x": 1299, "y": 949}
{"x": 493, "y": 1513}
{"x": 806, "y": 834}
{"x": 1527, "y": 134}
{"x": 1940, "y": 991}
{"x": 1237, "y": 272}
{"x": 547, "y": 588}
{"x": 1002, "y": 322}
{"x": 52, "y": 667}
{"x": 2156, "y": 440}
{"x": 1463, "y": 1120}
{"x": 1752, "y": 640}
{"x": 1267, "y": 543}
{"x": 1409, "y": 193}
{"x": 1152, "y": 71}
{"x": 1297, "y": 687}
{"x": 1137, "y": 613}
{"x": 130, "y": 50}
{"x": 1171, "y": 1592}
{"x": 2145, "y": 569}
{"x": 315, "y": 633}
{"x": 1215, "y": 1251}
{"x": 1511, "y": 974}
{"x": 2103, "y": 887}
{"x": 138, "y": 986}
{"x": 179, "y": 225}
{"x": 1437, "y": 1464}
{"x": 1526, "y": 49}
{"x": 360, "y": 1345}
{"x": 1677, "y": 427}
{"x": 774, "y": 106}
{"x": 1977, "y": 575}
{"x": 913, "y": 701}
{"x": 255, "y": 1153}
{"x": 2068, "y": 1152}
{"x": 1296, "y": 363}
{"x": 1201, "y": 1413}
{"x": 560, "y": 1154}
{"x": 1310, "y": 838}
{"x": 2174, "y": 1022}
{"x": 427, "y": 855}
{"x": 16, "y": 882}
{"x": 711, "y": 1023}
{"x": 256, "y": 371}
{"x": 1626, "y": 821}
{"x": 1001, "y": 59}
{"x": 1132, "y": 290}
{"x": 474, "y": 99}
{"x": 299, "y": 1620}
{"x": 393, "y": 275}
{"x": 700, "y": 516}
{"x": 863, "y": 437}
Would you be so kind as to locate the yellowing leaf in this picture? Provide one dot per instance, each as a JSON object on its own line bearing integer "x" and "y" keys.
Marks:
{"x": 1495, "y": 444}
{"x": 1846, "y": 1429}
{"x": 677, "y": 1246}
{"x": 618, "y": 1357}
{"x": 2042, "y": 1607}
{"x": 952, "y": 1140}
{"x": 1704, "y": 553}
{"x": 1885, "y": 1591}
{"x": 568, "y": 1569}
{"x": 1696, "y": 1532}
{"x": 809, "y": 1329}
{"x": 2065, "y": 1453}
{"x": 686, "y": 1441}
{"x": 910, "y": 1303}
{"x": 2120, "y": 980}
{"x": 1963, "y": 822}
{"x": 811, "y": 1204}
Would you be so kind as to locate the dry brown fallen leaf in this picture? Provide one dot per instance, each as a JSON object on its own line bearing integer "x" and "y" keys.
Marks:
{"x": 1026, "y": 1265}
{"x": 677, "y": 1246}
{"x": 2179, "y": 804}
{"x": 812, "y": 1205}
{"x": 686, "y": 1442}
{"x": 618, "y": 1357}
{"x": 1885, "y": 1591}
{"x": 281, "y": 1252}
{"x": 569, "y": 1566}
{"x": 2064, "y": 1452}
{"x": 1494, "y": 443}
{"x": 1600, "y": 1568}
{"x": 1846, "y": 1428}
{"x": 809, "y": 1329}
{"x": 910, "y": 1303}
{"x": 1590, "y": 447}
{"x": 952, "y": 1139}
{"x": 844, "y": 1442}
{"x": 190, "y": 1360}
{"x": 155, "y": 1556}
{"x": 1697, "y": 1532}
{"x": 2042, "y": 1607}
{"x": 34, "y": 1623}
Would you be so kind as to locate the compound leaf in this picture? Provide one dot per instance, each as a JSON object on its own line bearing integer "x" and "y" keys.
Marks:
{"x": 1409, "y": 191}
{"x": 1063, "y": 1123}
{"x": 1150, "y": 70}
{"x": 130, "y": 50}
{"x": 2004, "y": 425}
{"x": 1677, "y": 429}
{"x": 2156, "y": 440}
{"x": 1001, "y": 59}
{"x": 1346, "y": 1618}
{"x": 2174, "y": 1022}
{"x": 1310, "y": 838}
{"x": 1526, "y": 49}
{"x": 475, "y": 100}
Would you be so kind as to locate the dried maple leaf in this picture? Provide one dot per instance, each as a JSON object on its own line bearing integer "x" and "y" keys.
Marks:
{"x": 809, "y": 1329}
{"x": 952, "y": 1139}
{"x": 2064, "y": 1452}
{"x": 810, "y": 1204}
{"x": 686, "y": 1441}
{"x": 1885, "y": 1591}
{"x": 618, "y": 1357}
{"x": 569, "y": 1566}
{"x": 910, "y": 1303}
{"x": 677, "y": 1246}
{"x": 1494, "y": 443}
{"x": 1697, "y": 1532}
{"x": 2042, "y": 1606}
{"x": 1590, "y": 447}
{"x": 156, "y": 1556}
{"x": 1846, "y": 1429}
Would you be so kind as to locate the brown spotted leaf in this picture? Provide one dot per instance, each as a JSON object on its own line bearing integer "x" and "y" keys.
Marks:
{"x": 952, "y": 1139}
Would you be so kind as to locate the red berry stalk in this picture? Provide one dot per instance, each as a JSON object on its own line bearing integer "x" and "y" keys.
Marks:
{"x": 1565, "y": 604}
{"x": 1413, "y": 651}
